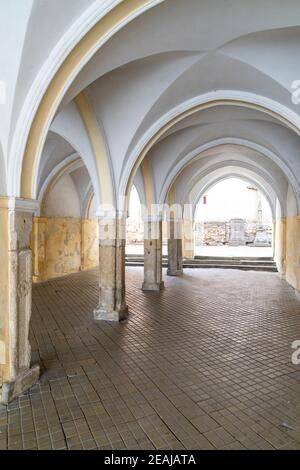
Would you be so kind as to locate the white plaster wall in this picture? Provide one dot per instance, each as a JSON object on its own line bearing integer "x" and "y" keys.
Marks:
{"x": 56, "y": 149}
{"x": 14, "y": 18}
{"x": 291, "y": 203}
{"x": 63, "y": 200}
{"x": 2, "y": 173}
{"x": 92, "y": 209}
{"x": 232, "y": 199}
{"x": 70, "y": 126}
{"x": 47, "y": 24}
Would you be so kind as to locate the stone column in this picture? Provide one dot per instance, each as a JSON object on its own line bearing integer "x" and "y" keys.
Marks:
{"x": 188, "y": 239}
{"x": 280, "y": 246}
{"x": 16, "y": 375}
{"x": 273, "y": 237}
{"x": 112, "y": 305}
{"x": 153, "y": 254}
{"x": 175, "y": 248}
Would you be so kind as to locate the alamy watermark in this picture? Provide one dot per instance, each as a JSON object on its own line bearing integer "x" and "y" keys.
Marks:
{"x": 178, "y": 219}
{"x": 296, "y": 353}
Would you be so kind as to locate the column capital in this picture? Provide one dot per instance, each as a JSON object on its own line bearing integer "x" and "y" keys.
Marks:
{"x": 19, "y": 204}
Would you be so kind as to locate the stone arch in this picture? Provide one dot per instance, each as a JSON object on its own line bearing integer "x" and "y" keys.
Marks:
{"x": 193, "y": 155}
{"x": 3, "y": 188}
{"x": 22, "y": 172}
{"x": 203, "y": 102}
{"x": 247, "y": 179}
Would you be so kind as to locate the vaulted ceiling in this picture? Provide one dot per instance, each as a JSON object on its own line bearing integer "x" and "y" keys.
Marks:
{"x": 204, "y": 86}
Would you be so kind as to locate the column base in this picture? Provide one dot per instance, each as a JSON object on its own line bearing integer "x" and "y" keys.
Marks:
{"x": 178, "y": 272}
{"x": 155, "y": 287}
{"x": 24, "y": 381}
{"x": 100, "y": 314}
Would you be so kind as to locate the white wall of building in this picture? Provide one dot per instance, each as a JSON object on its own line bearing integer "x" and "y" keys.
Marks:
{"x": 230, "y": 199}
{"x": 63, "y": 200}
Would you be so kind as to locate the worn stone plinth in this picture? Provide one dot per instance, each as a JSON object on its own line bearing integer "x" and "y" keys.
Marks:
{"x": 175, "y": 249}
{"x": 110, "y": 315}
{"x": 112, "y": 304}
{"x": 237, "y": 232}
{"x": 23, "y": 382}
{"x": 153, "y": 256}
{"x": 153, "y": 286}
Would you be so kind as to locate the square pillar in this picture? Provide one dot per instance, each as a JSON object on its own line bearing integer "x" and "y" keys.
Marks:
{"x": 112, "y": 304}
{"x": 16, "y": 373}
{"x": 153, "y": 254}
{"x": 188, "y": 239}
{"x": 175, "y": 248}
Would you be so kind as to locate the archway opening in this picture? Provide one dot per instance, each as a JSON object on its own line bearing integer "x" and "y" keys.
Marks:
{"x": 134, "y": 225}
{"x": 233, "y": 218}
{"x": 65, "y": 234}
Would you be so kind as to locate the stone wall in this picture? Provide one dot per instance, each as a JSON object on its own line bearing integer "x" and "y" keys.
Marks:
{"x": 218, "y": 232}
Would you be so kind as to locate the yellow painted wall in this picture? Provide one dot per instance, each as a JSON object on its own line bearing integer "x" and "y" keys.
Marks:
{"x": 280, "y": 245}
{"x": 4, "y": 286}
{"x": 62, "y": 246}
{"x": 292, "y": 274}
{"x": 287, "y": 249}
{"x": 89, "y": 244}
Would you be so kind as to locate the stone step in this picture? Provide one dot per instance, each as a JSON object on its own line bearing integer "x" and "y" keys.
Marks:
{"x": 243, "y": 267}
{"x": 234, "y": 258}
{"x": 245, "y": 264}
{"x": 231, "y": 261}
{"x": 197, "y": 261}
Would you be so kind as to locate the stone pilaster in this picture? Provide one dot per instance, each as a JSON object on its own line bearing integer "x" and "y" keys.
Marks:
{"x": 112, "y": 304}
{"x": 38, "y": 247}
{"x": 175, "y": 248}
{"x": 153, "y": 254}
{"x": 17, "y": 375}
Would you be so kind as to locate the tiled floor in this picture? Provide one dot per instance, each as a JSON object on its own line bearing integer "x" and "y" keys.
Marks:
{"x": 205, "y": 364}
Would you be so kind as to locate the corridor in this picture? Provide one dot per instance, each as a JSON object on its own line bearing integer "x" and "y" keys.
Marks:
{"x": 204, "y": 364}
